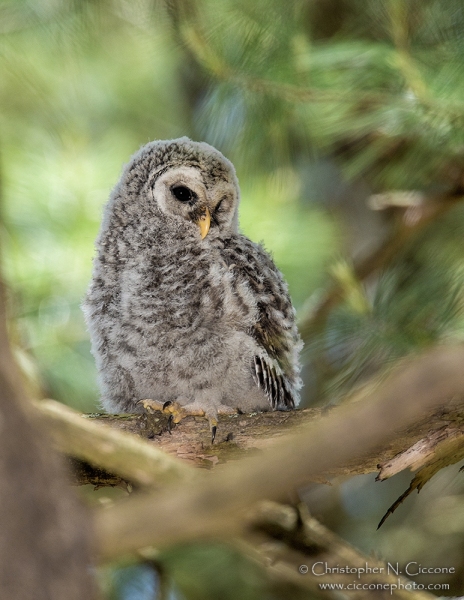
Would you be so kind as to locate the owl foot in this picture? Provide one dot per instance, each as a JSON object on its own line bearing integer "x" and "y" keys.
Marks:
{"x": 212, "y": 418}
{"x": 212, "y": 427}
{"x": 175, "y": 411}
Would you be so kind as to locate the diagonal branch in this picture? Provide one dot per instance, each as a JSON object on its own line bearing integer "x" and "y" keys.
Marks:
{"x": 239, "y": 437}
{"x": 210, "y": 505}
{"x": 293, "y": 546}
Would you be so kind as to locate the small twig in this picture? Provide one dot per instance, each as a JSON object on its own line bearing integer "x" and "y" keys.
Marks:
{"x": 288, "y": 542}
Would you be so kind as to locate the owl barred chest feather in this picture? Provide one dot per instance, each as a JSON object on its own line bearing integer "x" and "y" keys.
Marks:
{"x": 215, "y": 299}
{"x": 183, "y": 308}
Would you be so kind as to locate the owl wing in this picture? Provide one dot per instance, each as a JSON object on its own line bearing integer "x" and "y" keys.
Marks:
{"x": 275, "y": 367}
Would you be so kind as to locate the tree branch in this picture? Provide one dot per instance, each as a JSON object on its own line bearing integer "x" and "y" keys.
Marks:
{"x": 115, "y": 451}
{"x": 101, "y": 456}
{"x": 209, "y": 505}
{"x": 284, "y": 539}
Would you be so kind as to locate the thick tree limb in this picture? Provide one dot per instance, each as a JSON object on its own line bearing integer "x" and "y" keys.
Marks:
{"x": 431, "y": 442}
{"x": 143, "y": 465}
{"x": 345, "y": 440}
{"x": 276, "y": 536}
{"x": 244, "y": 435}
{"x": 107, "y": 458}
{"x": 238, "y": 436}
{"x": 210, "y": 505}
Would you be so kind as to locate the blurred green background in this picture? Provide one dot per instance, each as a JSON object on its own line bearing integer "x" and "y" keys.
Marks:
{"x": 83, "y": 87}
{"x": 320, "y": 104}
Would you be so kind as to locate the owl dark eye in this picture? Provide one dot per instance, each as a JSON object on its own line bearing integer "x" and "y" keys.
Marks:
{"x": 183, "y": 193}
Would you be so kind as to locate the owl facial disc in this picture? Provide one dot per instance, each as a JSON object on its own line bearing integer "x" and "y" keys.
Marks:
{"x": 204, "y": 222}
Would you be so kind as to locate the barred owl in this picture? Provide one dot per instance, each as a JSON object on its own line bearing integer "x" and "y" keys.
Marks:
{"x": 185, "y": 313}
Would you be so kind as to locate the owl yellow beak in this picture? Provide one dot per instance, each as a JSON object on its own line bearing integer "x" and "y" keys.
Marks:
{"x": 204, "y": 223}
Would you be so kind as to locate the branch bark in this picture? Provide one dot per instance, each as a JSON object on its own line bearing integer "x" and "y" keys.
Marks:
{"x": 209, "y": 505}
{"x": 115, "y": 451}
{"x": 109, "y": 455}
{"x": 348, "y": 439}
{"x": 100, "y": 456}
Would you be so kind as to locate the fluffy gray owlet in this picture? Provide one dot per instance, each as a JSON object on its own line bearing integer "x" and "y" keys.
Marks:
{"x": 182, "y": 308}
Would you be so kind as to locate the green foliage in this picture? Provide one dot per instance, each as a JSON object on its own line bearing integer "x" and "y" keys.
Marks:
{"x": 274, "y": 85}
{"x": 415, "y": 303}
{"x": 378, "y": 88}
{"x": 384, "y": 91}
{"x": 210, "y": 571}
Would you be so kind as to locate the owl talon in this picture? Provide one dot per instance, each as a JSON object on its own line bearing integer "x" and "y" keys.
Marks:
{"x": 173, "y": 409}
{"x": 170, "y": 420}
{"x": 176, "y": 412}
{"x": 213, "y": 427}
{"x": 150, "y": 405}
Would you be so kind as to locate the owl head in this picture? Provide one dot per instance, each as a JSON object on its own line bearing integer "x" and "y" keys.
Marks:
{"x": 180, "y": 183}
